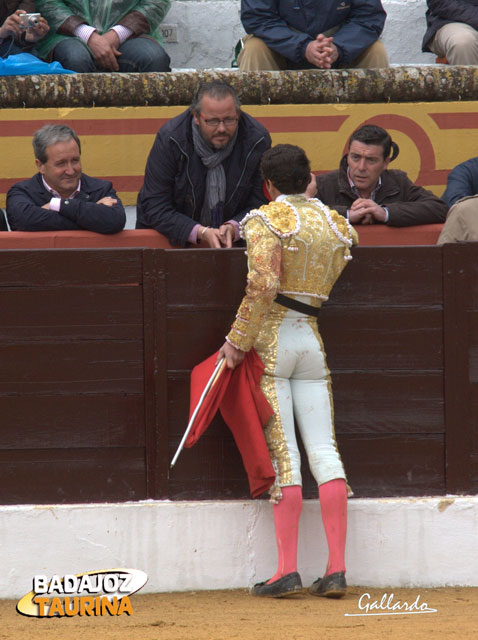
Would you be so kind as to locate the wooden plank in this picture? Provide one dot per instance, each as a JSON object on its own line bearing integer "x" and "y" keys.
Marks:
{"x": 392, "y": 402}
{"x": 79, "y": 367}
{"x": 195, "y": 335}
{"x": 376, "y": 466}
{"x": 474, "y": 471}
{"x": 365, "y": 402}
{"x": 35, "y": 267}
{"x": 165, "y": 281}
{"x": 210, "y": 470}
{"x": 394, "y": 465}
{"x": 472, "y": 321}
{"x": 206, "y": 277}
{"x": 155, "y": 373}
{"x": 472, "y": 270}
{"x": 382, "y": 275}
{"x": 473, "y": 364}
{"x": 474, "y": 439}
{"x": 31, "y": 421}
{"x": 388, "y": 275}
{"x": 380, "y": 462}
{"x": 458, "y": 421}
{"x": 44, "y": 313}
{"x": 374, "y": 338}
{"x": 357, "y": 338}
{"x": 69, "y": 476}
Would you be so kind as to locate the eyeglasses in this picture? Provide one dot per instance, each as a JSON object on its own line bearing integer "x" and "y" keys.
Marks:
{"x": 215, "y": 122}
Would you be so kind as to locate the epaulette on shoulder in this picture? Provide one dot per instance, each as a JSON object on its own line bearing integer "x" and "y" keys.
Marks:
{"x": 281, "y": 218}
{"x": 341, "y": 222}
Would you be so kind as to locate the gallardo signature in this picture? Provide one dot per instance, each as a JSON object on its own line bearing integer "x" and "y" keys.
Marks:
{"x": 387, "y": 607}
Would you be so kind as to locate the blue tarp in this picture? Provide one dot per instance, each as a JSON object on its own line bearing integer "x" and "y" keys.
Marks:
{"x": 25, "y": 64}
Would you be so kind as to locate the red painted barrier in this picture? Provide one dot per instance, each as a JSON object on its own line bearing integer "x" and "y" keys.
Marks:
{"x": 370, "y": 235}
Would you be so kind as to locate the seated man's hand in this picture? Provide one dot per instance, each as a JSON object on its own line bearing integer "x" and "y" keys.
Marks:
{"x": 11, "y": 26}
{"x": 217, "y": 238}
{"x": 364, "y": 211}
{"x": 46, "y": 206}
{"x": 37, "y": 32}
{"x": 104, "y": 51}
{"x": 113, "y": 38}
{"x": 322, "y": 52}
{"x": 209, "y": 237}
{"x": 233, "y": 356}
{"x": 108, "y": 201}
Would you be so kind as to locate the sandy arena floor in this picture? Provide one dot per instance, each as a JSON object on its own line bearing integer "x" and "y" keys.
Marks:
{"x": 225, "y": 615}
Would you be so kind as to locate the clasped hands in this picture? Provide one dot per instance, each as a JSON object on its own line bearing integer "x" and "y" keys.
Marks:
{"x": 105, "y": 49}
{"x": 364, "y": 211}
{"x": 322, "y": 52}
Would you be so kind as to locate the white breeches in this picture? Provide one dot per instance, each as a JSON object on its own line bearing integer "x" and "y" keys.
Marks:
{"x": 296, "y": 381}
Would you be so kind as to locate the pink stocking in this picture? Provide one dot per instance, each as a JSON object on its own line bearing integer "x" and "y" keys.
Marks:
{"x": 333, "y": 506}
{"x": 286, "y": 520}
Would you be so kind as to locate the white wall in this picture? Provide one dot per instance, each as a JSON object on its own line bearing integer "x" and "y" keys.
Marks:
{"x": 412, "y": 542}
{"x": 404, "y": 30}
{"x": 208, "y": 30}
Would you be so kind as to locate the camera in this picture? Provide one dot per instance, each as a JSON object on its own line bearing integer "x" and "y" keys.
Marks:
{"x": 29, "y": 20}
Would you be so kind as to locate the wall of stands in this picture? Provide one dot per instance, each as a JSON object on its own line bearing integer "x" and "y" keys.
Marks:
{"x": 96, "y": 347}
{"x": 433, "y": 137}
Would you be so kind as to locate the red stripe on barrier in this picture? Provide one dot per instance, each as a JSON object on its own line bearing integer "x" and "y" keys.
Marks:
{"x": 455, "y": 120}
{"x": 434, "y": 176}
{"x": 130, "y": 126}
{"x": 302, "y": 124}
{"x": 125, "y": 183}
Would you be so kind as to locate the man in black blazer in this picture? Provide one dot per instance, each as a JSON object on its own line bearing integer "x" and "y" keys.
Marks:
{"x": 60, "y": 197}
{"x": 202, "y": 175}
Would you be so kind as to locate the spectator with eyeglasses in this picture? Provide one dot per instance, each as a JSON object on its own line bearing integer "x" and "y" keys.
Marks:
{"x": 202, "y": 175}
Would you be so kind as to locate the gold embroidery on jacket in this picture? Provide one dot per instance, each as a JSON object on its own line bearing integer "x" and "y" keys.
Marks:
{"x": 310, "y": 269}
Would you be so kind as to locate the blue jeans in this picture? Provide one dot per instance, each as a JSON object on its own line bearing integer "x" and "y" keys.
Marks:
{"x": 137, "y": 54}
{"x": 8, "y": 47}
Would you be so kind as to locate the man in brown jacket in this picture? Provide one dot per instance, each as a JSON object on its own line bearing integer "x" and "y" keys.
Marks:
{"x": 365, "y": 191}
{"x": 112, "y": 35}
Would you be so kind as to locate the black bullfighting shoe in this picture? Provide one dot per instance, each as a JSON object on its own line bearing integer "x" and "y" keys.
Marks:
{"x": 288, "y": 585}
{"x": 331, "y": 586}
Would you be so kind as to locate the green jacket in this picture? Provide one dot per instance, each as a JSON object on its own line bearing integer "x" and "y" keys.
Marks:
{"x": 141, "y": 16}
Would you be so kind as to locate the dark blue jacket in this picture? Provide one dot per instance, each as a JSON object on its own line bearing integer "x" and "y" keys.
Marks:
{"x": 441, "y": 12}
{"x": 172, "y": 195}
{"x": 287, "y": 26}
{"x": 462, "y": 181}
{"x": 26, "y": 199}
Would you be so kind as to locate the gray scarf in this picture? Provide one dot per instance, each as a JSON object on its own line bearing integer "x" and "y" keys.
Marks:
{"x": 212, "y": 212}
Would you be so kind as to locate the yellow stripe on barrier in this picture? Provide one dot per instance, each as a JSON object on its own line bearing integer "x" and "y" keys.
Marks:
{"x": 433, "y": 137}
